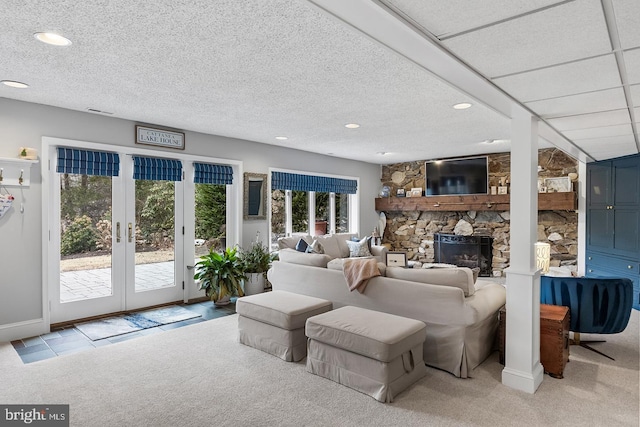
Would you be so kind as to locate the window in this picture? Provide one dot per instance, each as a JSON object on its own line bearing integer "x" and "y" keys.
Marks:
{"x": 311, "y": 204}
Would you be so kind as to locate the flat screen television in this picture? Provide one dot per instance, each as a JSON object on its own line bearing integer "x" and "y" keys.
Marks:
{"x": 457, "y": 176}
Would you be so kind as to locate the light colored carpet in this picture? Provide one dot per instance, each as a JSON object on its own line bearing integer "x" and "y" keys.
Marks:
{"x": 199, "y": 375}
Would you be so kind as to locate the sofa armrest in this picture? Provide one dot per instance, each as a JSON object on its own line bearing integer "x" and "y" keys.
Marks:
{"x": 380, "y": 252}
{"x": 486, "y": 301}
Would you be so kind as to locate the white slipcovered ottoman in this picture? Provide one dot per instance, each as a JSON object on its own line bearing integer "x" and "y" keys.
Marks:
{"x": 376, "y": 353}
{"x": 274, "y": 322}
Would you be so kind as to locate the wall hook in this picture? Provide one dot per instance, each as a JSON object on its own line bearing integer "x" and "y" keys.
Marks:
{"x": 437, "y": 205}
{"x": 20, "y": 180}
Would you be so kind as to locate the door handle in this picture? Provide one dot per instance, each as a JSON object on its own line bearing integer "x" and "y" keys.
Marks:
{"x": 118, "y": 232}
{"x": 130, "y": 232}
{"x": 190, "y": 267}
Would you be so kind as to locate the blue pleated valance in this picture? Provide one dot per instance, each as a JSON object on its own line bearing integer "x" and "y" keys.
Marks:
{"x": 151, "y": 168}
{"x": 207, "y": 173}
{"x": 299, "y": 182}
{"x": 87, "y": 162}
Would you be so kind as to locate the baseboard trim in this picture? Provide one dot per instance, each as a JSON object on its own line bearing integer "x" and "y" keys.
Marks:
{"x": 523, "y": 381}
{"x": 25, "y": 329}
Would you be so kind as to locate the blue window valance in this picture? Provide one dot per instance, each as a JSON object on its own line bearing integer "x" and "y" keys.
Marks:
{"x": 151, "y": 168}
{"x": 208, "y": 173}
{"x": 87, "y": 162}
{"x": 299, "y": 182}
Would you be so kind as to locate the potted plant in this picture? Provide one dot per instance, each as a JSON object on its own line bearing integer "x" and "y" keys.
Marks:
{"x": 220, "y": 275}
{"x": 256, "y": 260}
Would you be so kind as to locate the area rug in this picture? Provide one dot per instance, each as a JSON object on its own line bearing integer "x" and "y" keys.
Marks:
{"x": 123, "y": 324}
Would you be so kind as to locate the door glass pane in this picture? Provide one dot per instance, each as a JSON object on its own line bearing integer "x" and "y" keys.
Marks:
{"x": 278, "y": 220}
{"x": 154, "y": 235}
{"x": 210, "y": 218}
{"x": 322, "y": 213}
{"x": 85, "y": 237}
{"x": 342, "y": 213}
{"x": 300, "y": 211}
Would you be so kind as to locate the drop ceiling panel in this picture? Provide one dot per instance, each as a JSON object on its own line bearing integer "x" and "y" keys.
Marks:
{"x": 444, "y": 18}
{"x": 611, "y": 147}
{"x": 587, "y": 121}
{"x": 601, "y": 132}
{"x": 560, "y": 34}
{"x": 561, "y": 80}
{"x": 628, "y": 18}
{"x": 635, "y": 94}
{"x": 632, "y": 64}
{"x": 592, "y": 102}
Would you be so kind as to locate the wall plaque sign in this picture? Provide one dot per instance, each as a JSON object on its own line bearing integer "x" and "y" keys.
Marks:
{"x": 159, "y": 137}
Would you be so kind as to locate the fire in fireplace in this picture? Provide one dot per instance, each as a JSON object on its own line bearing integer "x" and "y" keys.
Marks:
{"x": 464, "y": 251}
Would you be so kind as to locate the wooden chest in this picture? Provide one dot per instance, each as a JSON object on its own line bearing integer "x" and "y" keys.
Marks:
{"x": 554, "y": 338}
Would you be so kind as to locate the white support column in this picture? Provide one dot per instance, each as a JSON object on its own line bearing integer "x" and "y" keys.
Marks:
{"x": 523, "y": 370}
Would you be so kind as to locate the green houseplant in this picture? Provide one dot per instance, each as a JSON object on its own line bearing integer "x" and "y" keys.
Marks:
{"x": 220, "y": 275}
{"x": 256, "y": 261}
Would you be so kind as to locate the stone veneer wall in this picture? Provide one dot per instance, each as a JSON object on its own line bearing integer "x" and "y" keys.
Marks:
{"x": 412, "y": 231}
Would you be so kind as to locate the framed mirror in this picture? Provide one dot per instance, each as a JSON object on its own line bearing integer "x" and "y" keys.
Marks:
{"x": 255, "y": 195}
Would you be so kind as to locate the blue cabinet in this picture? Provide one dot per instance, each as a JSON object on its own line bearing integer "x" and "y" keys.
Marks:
{"x": 613, "y": 220}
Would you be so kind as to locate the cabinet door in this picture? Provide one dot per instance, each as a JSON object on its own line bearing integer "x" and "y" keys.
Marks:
{"x": 599, "y": 184}
{"x": 599, "y": 200}
{"x": 600, "y": 229}
{"x": 626, "y": 183}
{"x": 626, "y": 206}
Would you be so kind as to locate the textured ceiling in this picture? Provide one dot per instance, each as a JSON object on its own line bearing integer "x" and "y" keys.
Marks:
{"x": 259, "y": 69}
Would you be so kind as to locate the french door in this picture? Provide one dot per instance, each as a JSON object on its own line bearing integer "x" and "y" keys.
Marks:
{"x": 119, "y": 240}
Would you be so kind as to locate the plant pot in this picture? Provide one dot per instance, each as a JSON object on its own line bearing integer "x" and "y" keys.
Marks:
{"x": 225, "y": 300}
{"x": 255, "y": 284}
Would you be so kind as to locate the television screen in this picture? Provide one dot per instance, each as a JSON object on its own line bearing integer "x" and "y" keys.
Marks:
{"x": 457, "y": 176}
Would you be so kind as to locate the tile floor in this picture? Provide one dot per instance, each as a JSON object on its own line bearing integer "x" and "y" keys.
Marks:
{"x": 69, "y": 339}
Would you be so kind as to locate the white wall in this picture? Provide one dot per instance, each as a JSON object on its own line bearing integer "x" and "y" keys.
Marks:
{"x": 24, "y": 124}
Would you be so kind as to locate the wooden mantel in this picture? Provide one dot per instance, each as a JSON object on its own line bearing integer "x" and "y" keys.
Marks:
{"x": 479, "y": 202}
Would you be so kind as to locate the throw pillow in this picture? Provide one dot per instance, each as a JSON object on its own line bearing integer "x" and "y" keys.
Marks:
{"x": 360, "y": 248}
{"x": 302, "y": 245}
{"x": 315, "y": 248}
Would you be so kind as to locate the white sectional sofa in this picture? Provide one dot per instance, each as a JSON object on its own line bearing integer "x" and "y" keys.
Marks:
{"x": 461, "y": 316}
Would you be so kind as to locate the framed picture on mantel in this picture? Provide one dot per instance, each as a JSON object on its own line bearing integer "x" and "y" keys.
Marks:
{"x": 558, "y": 185}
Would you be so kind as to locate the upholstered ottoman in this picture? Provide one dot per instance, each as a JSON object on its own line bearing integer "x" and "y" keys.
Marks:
{"x": 274, "y": 322}
{"x": 378, "y": 354}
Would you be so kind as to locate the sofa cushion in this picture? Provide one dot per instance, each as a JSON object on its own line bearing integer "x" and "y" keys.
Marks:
{"x": 294, "y": 257}
{"x": 331, "y": 246}
{"x": 292, "y": 241}
{"x": 459, "y": 277}
{"x": 360, "y": 248}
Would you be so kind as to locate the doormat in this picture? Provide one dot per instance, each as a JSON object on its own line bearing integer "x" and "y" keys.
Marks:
{"x": 123, "y": 324}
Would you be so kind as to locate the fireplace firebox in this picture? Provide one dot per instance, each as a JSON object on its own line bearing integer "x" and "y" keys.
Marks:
{"x": 464, "y": 251}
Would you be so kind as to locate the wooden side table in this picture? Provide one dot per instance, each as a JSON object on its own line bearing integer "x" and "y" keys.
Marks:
{"x": 554, "y": 338}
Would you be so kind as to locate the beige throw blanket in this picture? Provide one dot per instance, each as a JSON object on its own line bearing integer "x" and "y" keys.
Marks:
{"x": 357, "y": 272}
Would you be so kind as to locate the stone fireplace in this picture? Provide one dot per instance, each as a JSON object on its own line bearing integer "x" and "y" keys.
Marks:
{"x": 414, "y": 231}
{"x": 464, "y": 251}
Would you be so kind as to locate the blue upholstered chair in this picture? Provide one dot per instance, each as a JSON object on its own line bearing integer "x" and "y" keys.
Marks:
{"x": 596, "y": 305}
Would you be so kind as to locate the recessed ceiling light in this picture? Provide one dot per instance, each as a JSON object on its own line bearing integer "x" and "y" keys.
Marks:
{"x": 352, "y": 125}
{"x": 462, "y": 106}
{"x": 52, "y": 39}
{"x": 17, "y": 85}
{"x": 381, "y": 153}
{"x": 281, "y": 138}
